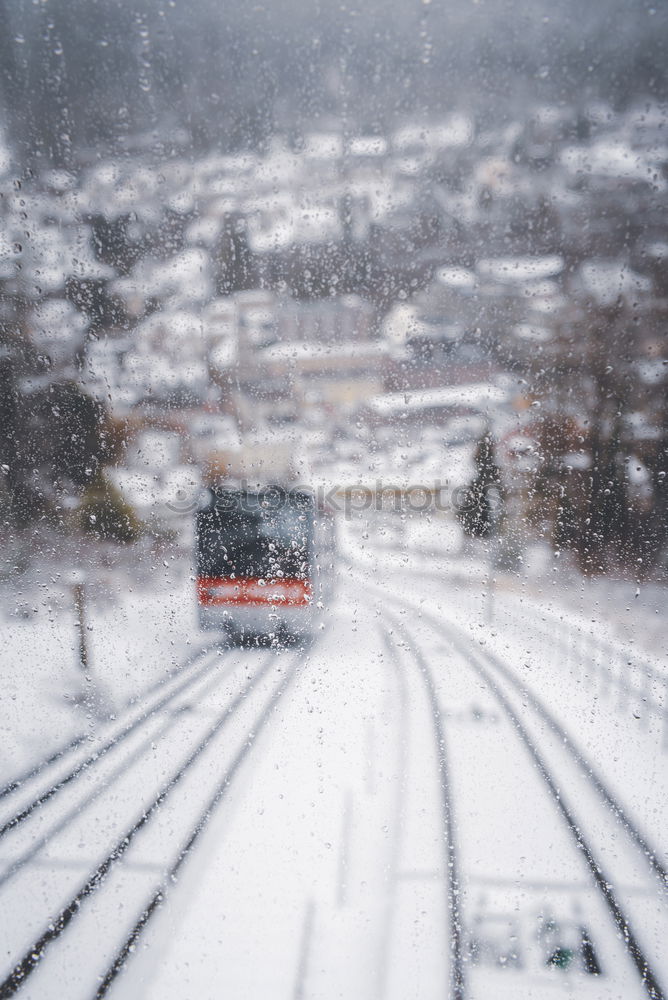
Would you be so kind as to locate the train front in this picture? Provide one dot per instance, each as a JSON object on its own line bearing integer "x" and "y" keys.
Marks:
{"x": 255, "y": 562}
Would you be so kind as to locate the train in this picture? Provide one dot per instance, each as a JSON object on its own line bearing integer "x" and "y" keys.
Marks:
{"x": 264, "y": 561}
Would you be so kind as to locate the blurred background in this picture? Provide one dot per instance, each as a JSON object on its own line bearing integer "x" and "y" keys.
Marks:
{"x": 406, "y": 244}
{"x": 414, "y": 256}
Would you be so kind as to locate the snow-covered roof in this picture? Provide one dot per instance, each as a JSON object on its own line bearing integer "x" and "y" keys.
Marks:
{"x": 367, "y": 145}
{"x": 9, "y": 256}
{"x": 323, "y": 146}
{"x": 57, "y": 326}
{"x": 641, "y": 426}
{"x": 185, "y": 278}
{"x": 155, "y": 449}
{"x": 576, "y": 460}
{"x": 204, "y": 230}
{"x": 606, "y": 280}
{"x": 213, "y": 425}
{"x": 652, "y": 370}
{"x": 299, "y": 351}
{"x": 5, "y": 154}
{"x": 457, "y": 130}
{"x": 456, "y": 277}
{"x": 658, "y": 250}
{"x": 521, "y": 268}
{"x": 178, "y": 332}
{"x": 531, "y": 332}
{"x": 613, "y": 158}
{"x": 476, "y": 395}
{"x": 401, "y": 323}
{"x": 285, "y": 218}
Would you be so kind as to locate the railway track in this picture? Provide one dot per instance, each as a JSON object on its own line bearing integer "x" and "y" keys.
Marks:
{"x": 595, "y": 659}
{"x": 453, "y": 938}
{"x": 137, "y": 842}
{"x": 587, "y": 766}
{"x": 94, "y": 842}
{"x": 408, "y": 802}
{"x": 181, "y": 857}
{"x": 27, "y": 788}
{"x": 66, "y": 749}
{"x": 612, "y": 821}
{"x": 95, "y": 785}
{"x": 572, "y": 653}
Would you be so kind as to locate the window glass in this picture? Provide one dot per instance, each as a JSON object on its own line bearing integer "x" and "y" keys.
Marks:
{"x": 333, "y": 499}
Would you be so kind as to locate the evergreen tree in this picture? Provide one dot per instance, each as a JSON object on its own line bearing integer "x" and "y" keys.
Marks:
{"x": 106, "y": 515}
{"x": 478, "y": 514}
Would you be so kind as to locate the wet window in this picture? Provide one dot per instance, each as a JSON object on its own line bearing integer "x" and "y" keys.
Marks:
{"x": 333, "y": 499}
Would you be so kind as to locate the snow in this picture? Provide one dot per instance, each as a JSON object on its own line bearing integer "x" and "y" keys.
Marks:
{"x": 367, "y": 145}
{"x": 5, "y": 155}
{"x": 184, "y": 279}
{"x": 400, "y": 324}
{"x": 613, "y": 158}
{"x": 456, "y": 131}
{"x": 476, "y": 395}
{"x": 326, "y": 352}
{"x": 456, "y": 277}
{"x": 57, "y": 328}
{"x": 322, "y": 868}
{"x": 323, "y": 146}
{"x": 8, "y": 252}
{"x": 607, "y": 280}
{"x": 526, "y": 331}
{"x": 152, "y": 624}
{"x": 521, "y": 269}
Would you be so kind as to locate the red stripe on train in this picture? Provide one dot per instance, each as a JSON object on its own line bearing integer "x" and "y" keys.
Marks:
{"x": 253, "y": 591}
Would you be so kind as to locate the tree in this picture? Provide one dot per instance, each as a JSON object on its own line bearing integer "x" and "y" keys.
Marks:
{"x": 479, "y": 514}
{"x": 105, "y": 514}
{"x": 237, "y": 268}
{"x": 601, "y": 427}
{"x": 73, "y": 448}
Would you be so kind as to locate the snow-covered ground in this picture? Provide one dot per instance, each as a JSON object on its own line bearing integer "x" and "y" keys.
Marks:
{"x": 140, "y": 625}
{"x": 447, "y": 793}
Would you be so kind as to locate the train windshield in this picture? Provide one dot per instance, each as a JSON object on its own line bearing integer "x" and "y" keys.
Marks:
{"x": 249, "y": 535}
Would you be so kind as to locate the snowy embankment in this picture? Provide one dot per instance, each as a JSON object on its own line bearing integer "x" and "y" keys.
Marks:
{"x": 140, "y": 626}
{"x": 591, "y": 652}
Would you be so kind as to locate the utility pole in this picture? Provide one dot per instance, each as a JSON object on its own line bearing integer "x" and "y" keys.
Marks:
{"x": 79, "y": 593}
{"x": 495, "y": 512}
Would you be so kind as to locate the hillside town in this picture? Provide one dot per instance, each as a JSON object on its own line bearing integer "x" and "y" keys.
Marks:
{"x": 334, "y": 500}
{"x": 355, "y": 310}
